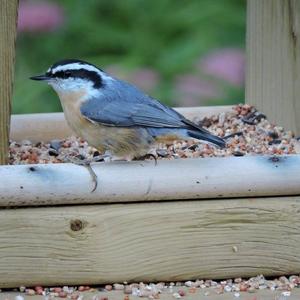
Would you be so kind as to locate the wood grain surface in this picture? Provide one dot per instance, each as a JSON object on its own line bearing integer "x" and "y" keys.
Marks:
{"x": 148, "y": 242}
{"x": 207, "y": 294}
{"x": 8, "y": 33}
{"x": 273, "y": 60}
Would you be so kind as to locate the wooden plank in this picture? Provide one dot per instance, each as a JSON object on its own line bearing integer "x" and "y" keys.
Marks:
{"x": 48, "y": 126}
{"x": 207, "y": 294}
{"x": 149, "y": 242}
{"x": 249, "y": 176}
{"x": 8, "y": 33}
{"x": 273, "y": 60}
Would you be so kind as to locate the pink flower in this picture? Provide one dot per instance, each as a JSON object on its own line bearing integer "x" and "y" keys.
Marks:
{"x": 227, "y": 64}
{"x": 191, "y": 90}
{"x": 39, "y": 16}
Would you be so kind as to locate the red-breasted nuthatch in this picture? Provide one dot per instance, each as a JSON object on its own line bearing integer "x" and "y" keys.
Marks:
{"x": 114, "y": 115}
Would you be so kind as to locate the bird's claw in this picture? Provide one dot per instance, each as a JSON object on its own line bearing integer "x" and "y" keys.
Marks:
{"x": 148, "y": 155}
{"x": 93, "y": 175}
{"x": 87, "y": 164}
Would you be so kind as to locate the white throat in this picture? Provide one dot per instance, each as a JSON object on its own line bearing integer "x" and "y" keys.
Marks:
{"x": 74, "y": 86}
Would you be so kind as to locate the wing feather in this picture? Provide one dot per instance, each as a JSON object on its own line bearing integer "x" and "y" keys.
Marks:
{"x": 123, "y": 105}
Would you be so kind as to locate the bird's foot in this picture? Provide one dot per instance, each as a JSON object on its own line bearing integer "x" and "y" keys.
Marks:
{"x": 147, "y": 156}
{"x": 82, "y": 161}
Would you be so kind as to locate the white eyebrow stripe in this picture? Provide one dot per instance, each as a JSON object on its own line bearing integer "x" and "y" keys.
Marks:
{"x": 78, "y": 66}
{"x": 75, "y": 66}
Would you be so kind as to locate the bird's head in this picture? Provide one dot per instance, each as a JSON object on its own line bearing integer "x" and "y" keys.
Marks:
{"x": 73, "y": 75}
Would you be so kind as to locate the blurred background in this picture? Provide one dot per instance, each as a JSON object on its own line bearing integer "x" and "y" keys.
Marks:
{"x": 183, "y": 52}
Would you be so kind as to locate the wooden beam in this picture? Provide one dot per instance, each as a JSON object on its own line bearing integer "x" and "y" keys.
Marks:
{"x": 8, "y": 33}
{"x": 52, "y": 184}
{"x": 149, "y": 242}
{"x": 265, "y": 294}
{"x": 48, "y": 126}
{"x": 273, "y": 60}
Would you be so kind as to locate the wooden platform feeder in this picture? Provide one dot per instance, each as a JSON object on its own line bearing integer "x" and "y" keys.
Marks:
{"x": 179, "y": 220}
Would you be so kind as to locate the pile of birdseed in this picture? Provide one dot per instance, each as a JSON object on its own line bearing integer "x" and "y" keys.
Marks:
{"x": 178, "y": 290}
{"x": 246, "y": 131}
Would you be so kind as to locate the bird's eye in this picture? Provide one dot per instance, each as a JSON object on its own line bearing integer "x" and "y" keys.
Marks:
{"x": 67, "y": 74}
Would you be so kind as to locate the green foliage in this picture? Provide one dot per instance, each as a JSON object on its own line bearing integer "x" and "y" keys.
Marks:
{"x": 165, "y": 35}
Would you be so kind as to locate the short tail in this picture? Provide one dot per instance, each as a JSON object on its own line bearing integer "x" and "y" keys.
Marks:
{"x": 206, "y": 136}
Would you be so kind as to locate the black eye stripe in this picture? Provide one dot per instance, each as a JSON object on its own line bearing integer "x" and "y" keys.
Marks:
{"x": 62, "y": 74}
{"x": 80, "y": 73}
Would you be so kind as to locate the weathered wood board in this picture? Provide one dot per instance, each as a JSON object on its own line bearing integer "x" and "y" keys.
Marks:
{"x": 8, "y": 33}
{"x": 167, "y": 241}
{"x": 207, "y": 294}
{"x": 229, "y": 177}
{"x": 273, "y": 60}
{"x": 48, "y": 126}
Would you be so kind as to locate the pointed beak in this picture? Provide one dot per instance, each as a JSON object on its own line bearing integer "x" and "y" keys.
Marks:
{"x": 40, "y": 77}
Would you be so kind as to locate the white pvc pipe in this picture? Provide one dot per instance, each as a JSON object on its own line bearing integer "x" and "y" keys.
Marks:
{"x": 249, "y": 176}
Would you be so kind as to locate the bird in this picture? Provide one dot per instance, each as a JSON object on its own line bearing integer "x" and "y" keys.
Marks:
{"x": 115, "y": 116}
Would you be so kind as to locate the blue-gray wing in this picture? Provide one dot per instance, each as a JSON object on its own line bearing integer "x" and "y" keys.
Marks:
{"x": 123, "y": 105}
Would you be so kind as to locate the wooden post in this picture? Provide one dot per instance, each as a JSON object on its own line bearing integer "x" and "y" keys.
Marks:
{"x": 8, "y": 30}
{"x": 273, "y": 60}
